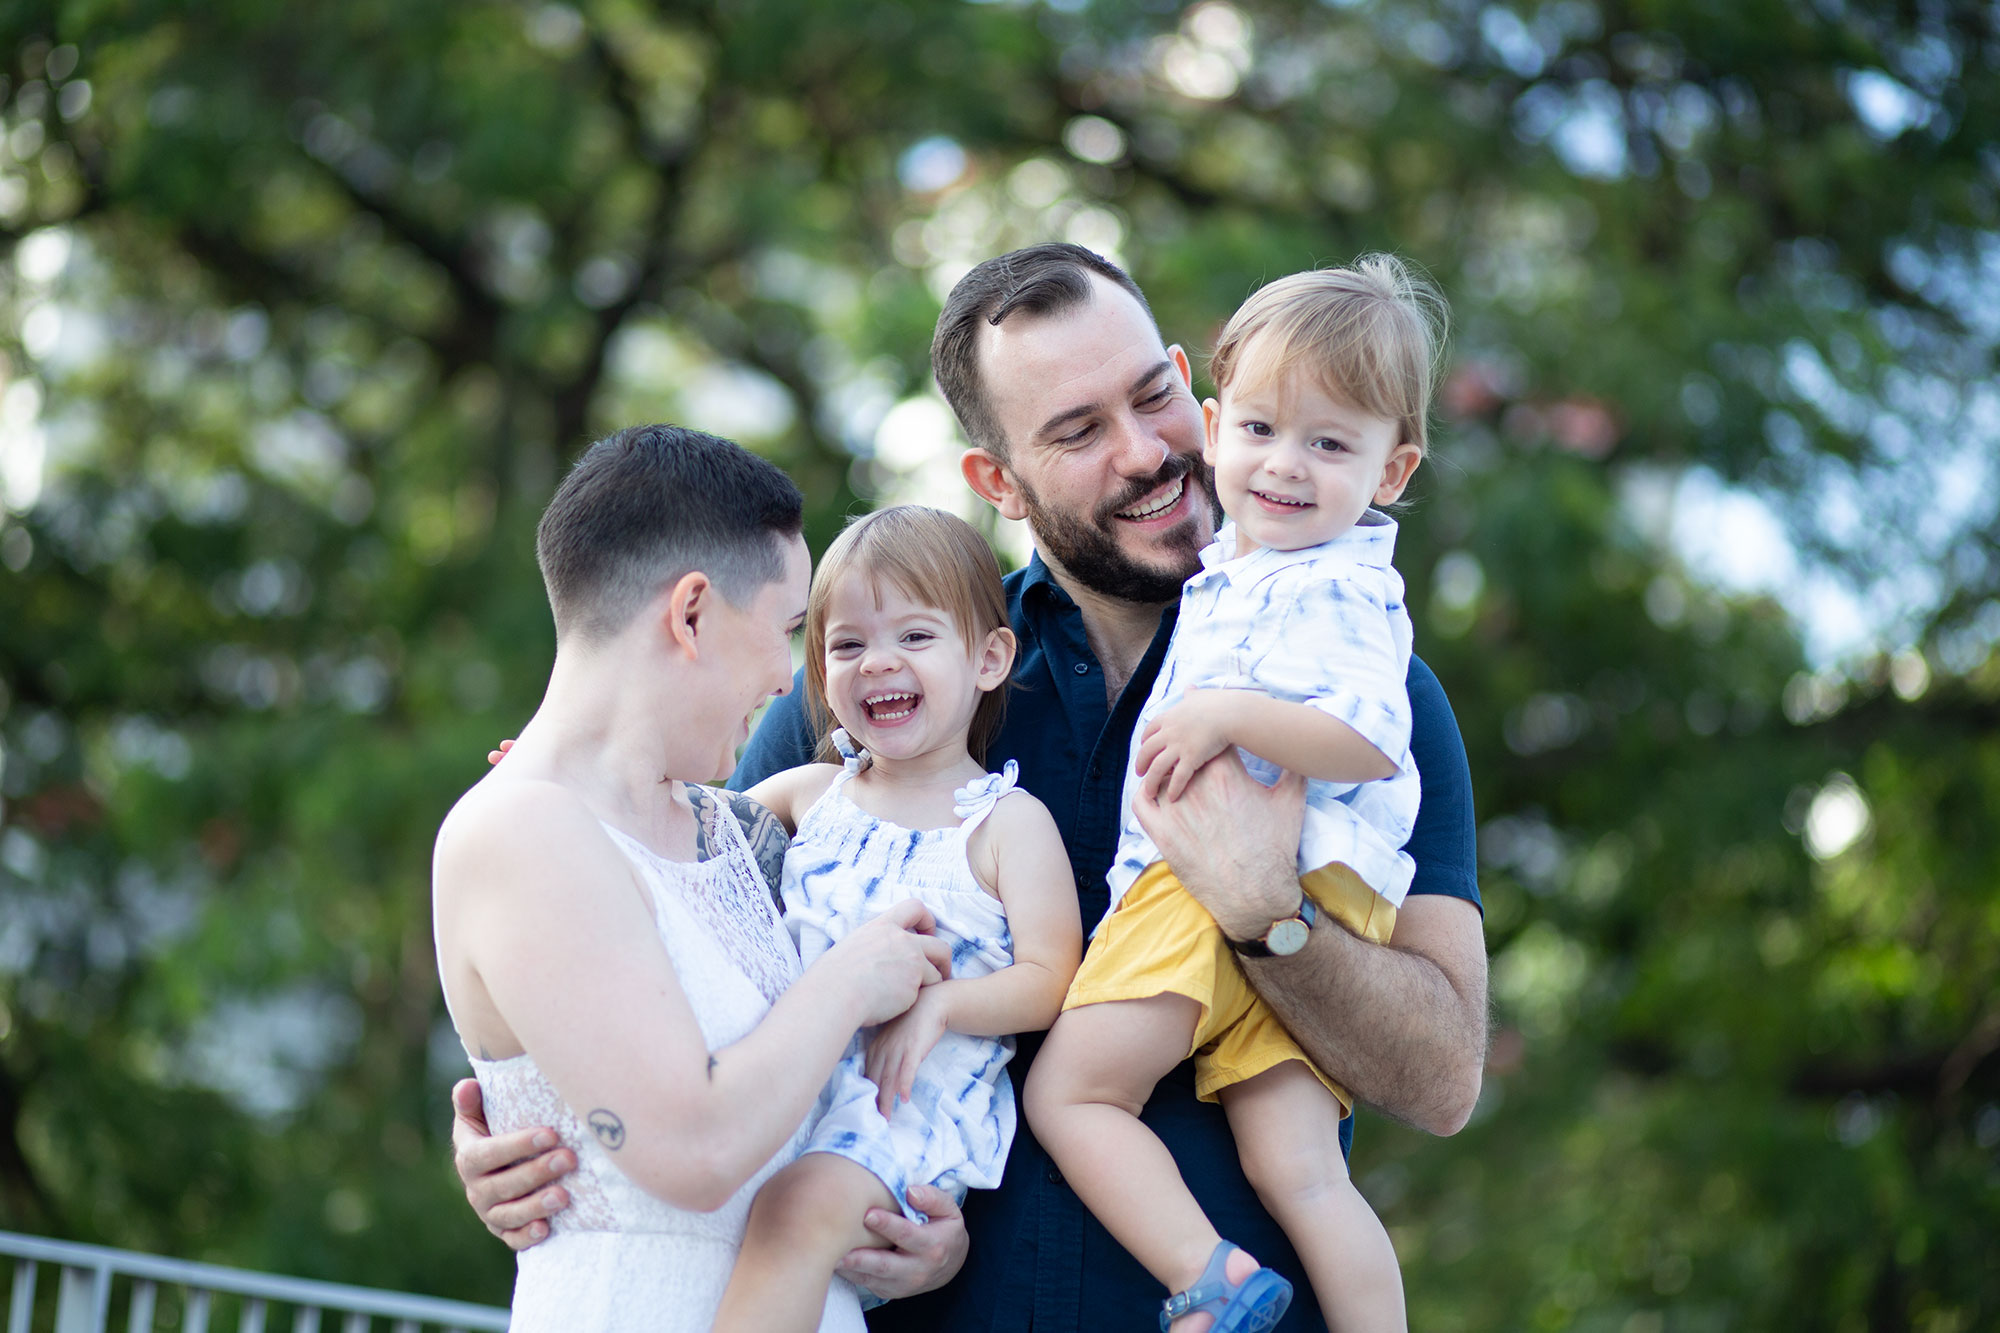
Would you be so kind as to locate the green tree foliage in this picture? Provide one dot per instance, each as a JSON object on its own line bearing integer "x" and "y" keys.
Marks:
{"x": 307, "y": 305}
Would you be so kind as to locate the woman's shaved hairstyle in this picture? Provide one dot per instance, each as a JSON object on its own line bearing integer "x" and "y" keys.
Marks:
{"x": 652, "y": 503}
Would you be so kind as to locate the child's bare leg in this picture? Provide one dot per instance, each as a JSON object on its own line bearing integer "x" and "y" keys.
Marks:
{"x": 802, "y": 1223}
{"x": 1083, "y": 1098}
{"x": 1287, "y": 1128}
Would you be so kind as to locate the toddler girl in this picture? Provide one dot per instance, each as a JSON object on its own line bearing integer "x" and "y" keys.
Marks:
{"x": 907, "y": 646}
{"x": 1292, "y": 644}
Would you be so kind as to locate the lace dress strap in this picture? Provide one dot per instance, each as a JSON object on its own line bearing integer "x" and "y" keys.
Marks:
{"x": 976, "y": 799}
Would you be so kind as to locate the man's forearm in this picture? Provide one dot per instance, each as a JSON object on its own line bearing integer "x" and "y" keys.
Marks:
{"x": 1403, "y": 1025}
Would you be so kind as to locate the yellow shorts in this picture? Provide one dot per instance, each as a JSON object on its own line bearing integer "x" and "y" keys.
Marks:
{"x": 1161, "y": 941}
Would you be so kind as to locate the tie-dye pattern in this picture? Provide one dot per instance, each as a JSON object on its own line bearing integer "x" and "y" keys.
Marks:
{"x": 845, "y": 868}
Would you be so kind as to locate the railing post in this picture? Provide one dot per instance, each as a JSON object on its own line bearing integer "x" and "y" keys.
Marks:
{"x": 22, "y": 1307}
{"x": 86, "y": 1299}
{"x": 139, "y": 1317}
{"x": 86, "y": 1274}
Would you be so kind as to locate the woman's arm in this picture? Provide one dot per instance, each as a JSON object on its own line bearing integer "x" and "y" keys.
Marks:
{"x": 543, "y": 908}
{"x": 1019, "y": 854}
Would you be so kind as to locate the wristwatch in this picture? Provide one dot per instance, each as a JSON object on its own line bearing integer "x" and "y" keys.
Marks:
{"x": 1285, "y": 937}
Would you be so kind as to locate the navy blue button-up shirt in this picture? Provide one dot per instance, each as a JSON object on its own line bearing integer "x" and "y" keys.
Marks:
{"x": 1039, "y": 1261}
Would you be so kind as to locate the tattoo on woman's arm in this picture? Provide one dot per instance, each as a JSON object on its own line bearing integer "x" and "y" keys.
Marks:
{"x": 768, "y": 839}
{"x": 610, "y": 1130}
{"x": 704, "y": 842}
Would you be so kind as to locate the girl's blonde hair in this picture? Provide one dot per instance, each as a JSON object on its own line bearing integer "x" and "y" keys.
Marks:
{"x": 934, "y": 558}
{"x": 1372, "y": 333}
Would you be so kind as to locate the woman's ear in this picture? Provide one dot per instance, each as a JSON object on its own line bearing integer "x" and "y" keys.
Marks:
{"x": 995, "y": 659}
{"x": 684, "y": 610}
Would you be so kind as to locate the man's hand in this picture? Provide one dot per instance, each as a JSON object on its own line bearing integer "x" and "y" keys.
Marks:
{"x": 508, "y": 1176}
{"x": 900, "y": 1045}
{"x": 921, "y": 1258}
{"x": 1233, "y": 843}
{"x": 1182, "y": 739}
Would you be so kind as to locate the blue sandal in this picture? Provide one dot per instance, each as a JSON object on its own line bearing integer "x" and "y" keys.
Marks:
{"x": 1251, "y": 1306}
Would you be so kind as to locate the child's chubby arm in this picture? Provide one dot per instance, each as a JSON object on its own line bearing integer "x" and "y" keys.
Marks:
{"x": 1018, "y": 854}
{"x": 1296, "y": 737}
{"x": 548, "y": 942}
{"x": 789, "y": 794}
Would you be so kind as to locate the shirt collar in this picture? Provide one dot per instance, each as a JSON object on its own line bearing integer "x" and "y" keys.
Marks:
{"x": 1039, "y": 579}
{"x": 1370, "y": 542}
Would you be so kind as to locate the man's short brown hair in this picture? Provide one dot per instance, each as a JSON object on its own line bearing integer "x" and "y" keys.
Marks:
{"x": 1044, "y": 279}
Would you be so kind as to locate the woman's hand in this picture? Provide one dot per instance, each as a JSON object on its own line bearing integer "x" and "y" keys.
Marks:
{"x": 901, "y": 1044}
{"x": 495, "y": 756}
{"x": 887, "y": 961}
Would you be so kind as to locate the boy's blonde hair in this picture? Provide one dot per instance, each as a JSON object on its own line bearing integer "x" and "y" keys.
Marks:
{"x": 935, "y": 558}
{"x": 1372, "y": 333}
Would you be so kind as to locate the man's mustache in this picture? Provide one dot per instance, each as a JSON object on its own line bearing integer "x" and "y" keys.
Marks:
{"x": 1173, "y": 469}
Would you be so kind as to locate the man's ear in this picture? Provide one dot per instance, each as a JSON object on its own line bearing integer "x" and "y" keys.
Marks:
{"x": 995, "y": 659}
{"x": 1180, "y": 360}
{"x": 1396, "y": 473}
{"x": 991, "y": 480}
{"x": 683, "y": 610}
{"x": 1211, "y": 423}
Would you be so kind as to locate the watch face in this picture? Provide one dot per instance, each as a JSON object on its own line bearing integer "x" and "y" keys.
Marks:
{"x": 1287, "y": 937}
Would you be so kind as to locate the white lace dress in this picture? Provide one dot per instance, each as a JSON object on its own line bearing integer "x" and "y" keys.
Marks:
{"x": 620, "y": 1260}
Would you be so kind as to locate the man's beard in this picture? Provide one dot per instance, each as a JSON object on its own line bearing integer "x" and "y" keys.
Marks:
{"x": 1088, "y": 548}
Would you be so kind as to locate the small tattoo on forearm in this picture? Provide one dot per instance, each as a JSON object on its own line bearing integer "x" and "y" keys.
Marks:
{"x": 610, "y": 1130}
{"x": 712, "y": 1063}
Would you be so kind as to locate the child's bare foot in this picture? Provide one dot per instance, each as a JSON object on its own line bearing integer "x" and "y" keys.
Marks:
{"x": 1238, "y": 1267}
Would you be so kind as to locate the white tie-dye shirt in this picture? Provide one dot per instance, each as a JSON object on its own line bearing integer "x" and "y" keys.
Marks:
{"x": 1324, "y": 626}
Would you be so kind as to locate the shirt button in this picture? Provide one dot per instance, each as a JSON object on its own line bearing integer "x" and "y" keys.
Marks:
{"x": 1055, "y": 1176}
{"x": 1083, "y": 668}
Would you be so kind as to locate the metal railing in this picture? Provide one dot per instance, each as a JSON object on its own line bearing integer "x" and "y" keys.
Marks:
{"x": 91, "y": 1279}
